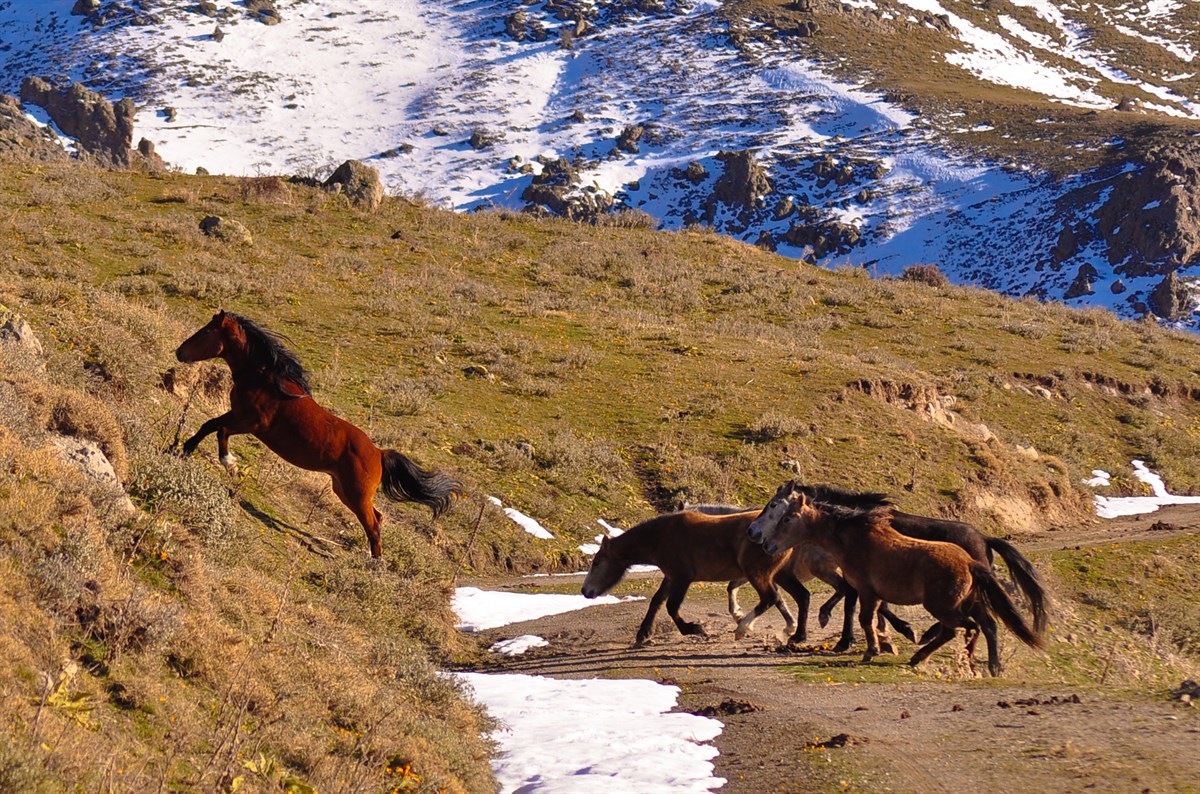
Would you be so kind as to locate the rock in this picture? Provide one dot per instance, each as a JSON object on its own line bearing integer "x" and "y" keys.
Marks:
{"x": 1118, "y": 287}
{"x": 229, "y": 231}
{"x": 825, "y": 237}
{"x": 84, "y": 8}
{"x": 537, "y": 31}
{"x": 201, "y": 171}
{"x": 264, "y": 11}
{"x": 85, "y": 455}
{"x": 628, "y": 140}
{"x": 694, "y": 173}
{"x": 205, "y": 8}
{"x": 1151, "y": 221}
{"x": 359, "y": 182}
{"x": 742, "y": 185}
{"x": 1067, "y": 246}
{"x": 104, "y": 130}
{"x": 783, "y": 208}
{"x": 218, "y": 34}
{"x": 577, "y": 116}
{"x": 1082, "y": 285}
{"x": 17, "y": 337}
{"x": 791, "y": 465}
{"x": 483, "y": 139}
{"x": 516, "y": 25}
{"x": 22, "y": 138}
{"x": 1172, "y": 299}
{"x": 169, "y": 113}
{"x": 478, "y": 371}
{"x": 766, "y": 240}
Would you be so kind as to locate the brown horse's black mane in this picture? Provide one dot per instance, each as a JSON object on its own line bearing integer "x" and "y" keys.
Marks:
{"x": 269, "y": 349}
{"x": 831, "y": 495}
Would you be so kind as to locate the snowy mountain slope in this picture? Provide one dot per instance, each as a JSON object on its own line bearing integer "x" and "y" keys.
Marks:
{"x": 446, "y": 103}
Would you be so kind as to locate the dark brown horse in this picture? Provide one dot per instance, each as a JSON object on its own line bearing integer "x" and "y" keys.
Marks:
{"x": 691, "y": 546}
{"x": 271, "y": 400}
{"x": 882, "y": 564}
{"x": 981, "y": 547}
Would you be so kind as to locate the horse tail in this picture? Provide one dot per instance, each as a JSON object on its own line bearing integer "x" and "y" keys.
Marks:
{"x": 1026, "y": 577}
{"x": 405, "y": 481}
{"x": 995, "y": 600}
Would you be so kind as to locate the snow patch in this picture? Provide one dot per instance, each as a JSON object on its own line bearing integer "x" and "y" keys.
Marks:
{"x": 1117, "y": 506}
{"x": 595, "y": 736}
{"x": 518, "y": 645}
{"x": 526, "y": 523}
{"x": 479, "y": 610}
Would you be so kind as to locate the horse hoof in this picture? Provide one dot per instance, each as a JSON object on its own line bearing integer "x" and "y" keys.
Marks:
{"x": 823, "y": 619}
{"x": 886, "y": 647}
{"x": 868, "y": 656}
{"x": 906, "y": 632}
{"x": 737, "y": 616}
{"x": 842, "y": 647}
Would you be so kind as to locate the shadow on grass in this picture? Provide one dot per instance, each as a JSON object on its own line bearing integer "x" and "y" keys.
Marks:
{"x": 313, "y": 543}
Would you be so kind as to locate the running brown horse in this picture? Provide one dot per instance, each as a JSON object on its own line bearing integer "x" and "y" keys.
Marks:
{"x": 271, "y": 400}
{"x": 882, "y": 564}
{"x": 691, "y": 546}
{"x": 810, "y": 562}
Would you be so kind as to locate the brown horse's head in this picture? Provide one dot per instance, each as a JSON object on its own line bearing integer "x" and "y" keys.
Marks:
{"x": 607, "y": 569}
{"x": 209, "y": 341}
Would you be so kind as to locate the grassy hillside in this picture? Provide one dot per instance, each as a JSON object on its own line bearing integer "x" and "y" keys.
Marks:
{"x": 236, "y": 634}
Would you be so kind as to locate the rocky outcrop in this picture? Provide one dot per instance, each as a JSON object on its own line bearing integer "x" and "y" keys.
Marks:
{"x": 19, "y": 341}
{"x": 557, "y": 189}
{"x": 694, "y": 173}
{"x": 1082, "y": 285}
{"x": 1151, "y": 220}
{"x": 742, "y": 185}
{"x": 824, "y": 237}
{"x": 628, "y": 140}
{"x": 104, "y": 130}
{"x": 20, "y": 137}
{"x": 1172, "y": 299}
{"x": 87, "y": 457}
{"x": 358, "y": 182}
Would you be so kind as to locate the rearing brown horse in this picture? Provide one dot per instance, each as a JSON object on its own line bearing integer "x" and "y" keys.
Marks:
{"x": 271, "y": 400}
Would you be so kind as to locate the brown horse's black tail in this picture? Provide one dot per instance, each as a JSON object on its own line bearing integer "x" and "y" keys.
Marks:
{"x": 1025, "y": 575}
{"x": 405, "y": 481}
{"x": 996, "y": 601}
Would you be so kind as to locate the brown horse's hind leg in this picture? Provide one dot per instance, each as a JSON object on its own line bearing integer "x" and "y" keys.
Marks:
{"x": 867, "y": 604}
{"x": 944, "y": 635}
{"x": 656, "y": 602}
{"x": 363, "y": 507}
{"x": 674, "y": 601}
{"x": 847, "y": 639}
{"x": 987, "y": 624}
{"x": 799, "y": 627}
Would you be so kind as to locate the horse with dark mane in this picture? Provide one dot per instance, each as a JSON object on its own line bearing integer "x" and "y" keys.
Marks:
{"x": 692, "y": 546}
{"x": 980, "y": 546}
{"x": 882, "y": 564}
{"x": 272, "y": 400}
{"x": 810, "y": 562}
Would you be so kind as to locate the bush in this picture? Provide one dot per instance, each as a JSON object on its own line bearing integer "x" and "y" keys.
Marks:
{"x": 187, "y": 491}
{"x": 930, "y": 275}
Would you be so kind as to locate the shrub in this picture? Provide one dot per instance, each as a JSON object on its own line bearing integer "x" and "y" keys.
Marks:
{"x": 186, "y": 490}
{"x": 930, "y": 275}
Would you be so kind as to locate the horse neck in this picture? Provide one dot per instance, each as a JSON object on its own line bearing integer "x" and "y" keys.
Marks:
{"x": 636, "y": 547}
{"x": 236, "y": 353}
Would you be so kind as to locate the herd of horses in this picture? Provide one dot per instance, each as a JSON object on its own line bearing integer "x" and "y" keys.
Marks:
{"x": 870, "y": 553}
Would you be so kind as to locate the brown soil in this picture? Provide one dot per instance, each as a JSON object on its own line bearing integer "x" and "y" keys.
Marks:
{"x": 785, "y": 735}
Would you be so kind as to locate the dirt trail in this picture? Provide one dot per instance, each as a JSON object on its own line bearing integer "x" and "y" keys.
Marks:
{"x": 918, "y": 736}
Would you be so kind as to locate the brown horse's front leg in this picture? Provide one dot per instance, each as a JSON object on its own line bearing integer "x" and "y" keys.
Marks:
{"x": 225, "y": 425}
{"x": 867, "y": 604}
{"x": 656, "y": 602}
{"x": 674, "y": 601}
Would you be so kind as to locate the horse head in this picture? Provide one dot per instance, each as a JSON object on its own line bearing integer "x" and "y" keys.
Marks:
{"x": 607, "y": 569}
{"x": 781, "y": 523}
{"x": 210, "y": 341}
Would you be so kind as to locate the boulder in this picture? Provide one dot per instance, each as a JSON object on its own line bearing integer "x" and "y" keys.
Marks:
{"x": 83, "y": 8}
{"x": 825, "y": 237}
{"x": 86, "y": 456}
{"x": 1172, "y": 299}
{"x": 484, "y": 139}
{"x": 694, "y": 173}
{"x": 22, "y": 138}
{"x": 516, "y": 25}
{"x": 743, "y": 183}
{"x": 628, "y": 140}
{"x": 17, "y": 337}
{"x": 104, "y": 130}
{"x": 227, "y": 230}
{"x": 1082, "y": 285}
{"x": 358, "y": 182}
{"x": 1151, "y": 220}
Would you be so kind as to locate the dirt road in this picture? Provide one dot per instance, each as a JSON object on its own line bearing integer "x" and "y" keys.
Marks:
{"x": 891, "y": 730}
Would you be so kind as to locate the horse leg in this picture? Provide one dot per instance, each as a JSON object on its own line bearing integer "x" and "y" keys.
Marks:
{"x": 847, "y": 639}
{"x": 674, "y": 600}
{"x": 987, "y": 624}
{"x": 903, "y": 627}
{"x": 735, "y": 611}
{"x": 223, "y": 454}
{"x": 944, "y": 635}
{"x": 868, "y": 602}
{"x": 225, "y": 425}
{"x": 881, "y": 630}
{"x": 840, "y": 590}
{"x": 788, "y": 581}
{"x": 768, "y": 597}
{"x": 363, "y": 507}
{"x": 656, "y": 602}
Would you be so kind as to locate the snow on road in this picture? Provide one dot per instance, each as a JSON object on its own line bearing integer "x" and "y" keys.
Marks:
{"x": 479, "y": 610}
{"x": 595, "y": 736}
